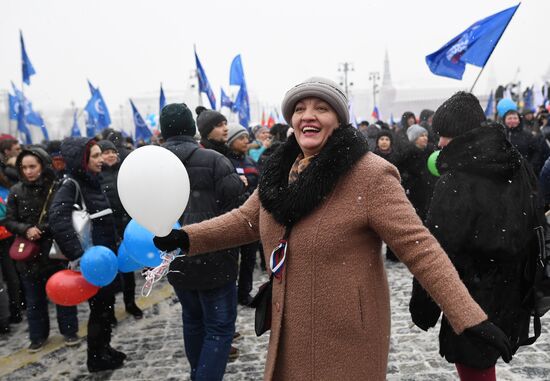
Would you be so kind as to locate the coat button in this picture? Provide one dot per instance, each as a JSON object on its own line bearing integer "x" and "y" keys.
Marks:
{"x": 278, "y": 306}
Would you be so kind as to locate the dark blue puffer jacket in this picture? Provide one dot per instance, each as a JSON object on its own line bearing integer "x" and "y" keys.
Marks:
{"x": 103, "y": 228}
{"x": 215, "y": 189}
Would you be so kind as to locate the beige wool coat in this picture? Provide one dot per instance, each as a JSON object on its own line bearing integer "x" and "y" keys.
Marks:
{"x": 331, "y": 311}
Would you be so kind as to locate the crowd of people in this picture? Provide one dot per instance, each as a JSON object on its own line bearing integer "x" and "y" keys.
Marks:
{"x": 330, "y": 194}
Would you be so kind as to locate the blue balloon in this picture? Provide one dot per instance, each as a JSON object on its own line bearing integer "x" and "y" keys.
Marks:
{"x": 99, "y": 265}
{"x": 139, "y": 244}
{"x": 505, "y": 105}
{"x": 125, "y": 263}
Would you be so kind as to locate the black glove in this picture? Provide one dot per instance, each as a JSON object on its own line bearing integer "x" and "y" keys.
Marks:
{"x": 492, "y": 335}
{"x": 177, "y": 239}
{"x": 424, "y": 311}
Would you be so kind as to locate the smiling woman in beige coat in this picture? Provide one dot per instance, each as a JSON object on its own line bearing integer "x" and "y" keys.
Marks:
{"x": 335, "y": 203}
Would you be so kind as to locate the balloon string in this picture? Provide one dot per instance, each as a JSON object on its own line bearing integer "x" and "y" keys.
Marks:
{"x": 155, "y": 274}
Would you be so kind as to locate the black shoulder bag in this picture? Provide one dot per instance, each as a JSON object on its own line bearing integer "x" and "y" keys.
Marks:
{"x": 263, "y": 300}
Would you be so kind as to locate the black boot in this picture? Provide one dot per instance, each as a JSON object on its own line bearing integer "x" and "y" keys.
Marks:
{"x": 134, "y": 310}
{"x": 118, "y": 355}
{"x": 102, "y": 360}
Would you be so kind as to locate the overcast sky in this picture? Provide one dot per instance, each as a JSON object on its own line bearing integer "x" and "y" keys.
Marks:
{"x": 128, "y": 47}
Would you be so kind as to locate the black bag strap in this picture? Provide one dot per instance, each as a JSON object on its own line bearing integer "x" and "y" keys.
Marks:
{"x": 78, "y": 192}
{"x": 538, "y": 266}
{"x": 44, "y": 208}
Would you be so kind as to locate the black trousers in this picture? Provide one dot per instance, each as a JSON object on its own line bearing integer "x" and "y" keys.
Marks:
{"x": 11, "y": 277}
{"x": 128, "y": 287}
{"x": 99, "y": 323}
{"x": 246, "y": 269}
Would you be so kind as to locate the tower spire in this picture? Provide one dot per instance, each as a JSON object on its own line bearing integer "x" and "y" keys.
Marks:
{"x": 386, "y": 77}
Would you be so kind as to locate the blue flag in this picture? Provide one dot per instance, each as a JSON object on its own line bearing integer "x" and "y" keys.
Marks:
{"x": 97, "y": 109}
{"x": 142, "y": 131}
{"x": 26, "y": 64}
{"x": 242, "y": 106}
{"x": 19, "y": 99}
{"x": 91, "y": 129}
{"x": 225, "y": 100}
{"x": 204, "y": 85}
{"x": 22, "y": 126}
{"x": 473, "y": 46}
{"x": 91, "y": 87}
{"x": 490, "y": 109}
{"x": 528, "y": 99}
{"x": 236, "y": 73}
{"x": 162, "y": 100}
{"x": 75, "y": 130}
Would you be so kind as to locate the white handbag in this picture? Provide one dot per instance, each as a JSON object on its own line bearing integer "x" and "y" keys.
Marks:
{"x": 82, "y": 219}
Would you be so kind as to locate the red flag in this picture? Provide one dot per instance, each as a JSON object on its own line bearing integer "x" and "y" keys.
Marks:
{"x": 262, "y": 122}
{"x": 271, "y": 120}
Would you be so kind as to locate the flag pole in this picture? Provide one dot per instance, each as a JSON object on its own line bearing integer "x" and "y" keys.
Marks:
{"x": 478, "y": 75}
{"x": 492, "y": 50}
{"x": 197, "y": 76}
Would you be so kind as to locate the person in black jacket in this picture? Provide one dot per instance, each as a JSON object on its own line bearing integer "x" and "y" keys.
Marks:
{"x": 533, "y": 149}
{"x": 483, "y": 215}
{"x": 417, "y": 181}
{"x": 108, "y": 179}
{"x": 237, "y": 140}
{"x": 27, "y": 217}
{"x": 84, "y": 164}
{"x": 213, "y": 130}
{"x": 385, "y": 146}
{"x": 407, "y": 119}
{"x": 205, "y": 284}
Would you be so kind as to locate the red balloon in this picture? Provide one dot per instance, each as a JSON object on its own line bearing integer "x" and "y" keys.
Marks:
{"x": 69, "y": 288}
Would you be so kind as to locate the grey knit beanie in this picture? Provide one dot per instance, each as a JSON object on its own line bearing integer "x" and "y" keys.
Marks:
{"x": 235, "y": 131}
{"x": 207, "y": 120}
{"x": 321, "y": 88}
{"x": 414, "y": 132}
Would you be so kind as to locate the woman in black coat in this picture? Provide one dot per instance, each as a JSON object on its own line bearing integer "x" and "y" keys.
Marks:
{"x": 27, "y": 217}
{"x": 108, "y": 180}
{"x": 483, "y": 216}
{"x": 84, "y": 164}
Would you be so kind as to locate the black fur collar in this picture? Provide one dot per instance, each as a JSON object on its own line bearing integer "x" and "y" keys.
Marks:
{"x": 289, "y": 203}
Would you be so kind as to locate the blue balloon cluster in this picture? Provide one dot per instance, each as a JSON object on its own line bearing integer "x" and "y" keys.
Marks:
{"x": 126, "y": 264}
{"x": 99, "y": 265}
{"x": 139, "y": 245}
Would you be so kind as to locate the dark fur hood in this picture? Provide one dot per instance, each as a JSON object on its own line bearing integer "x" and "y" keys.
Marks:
{"x": 484, "y": 151}
{"x": 289, "y": 203}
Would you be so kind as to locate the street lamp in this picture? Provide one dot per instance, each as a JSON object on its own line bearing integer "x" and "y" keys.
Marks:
{"x": 374, "y": 76}
{"x": 346, "y": 67}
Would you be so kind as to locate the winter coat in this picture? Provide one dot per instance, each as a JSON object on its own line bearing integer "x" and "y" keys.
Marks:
{"x": 402, "y": 140}
{"x": 215, "y": 189}
{"x": 416, "y": 179}
{"x": 267, "y": 154}
{"x": 544, "y": 182}
{"x": 103, "y": 228}
{"x": 244, "y": 166}
{"x": 331, "y": 309}
{"x": 108, "y": 180}
{"x": 392, "y": 156}
{"x": 481, "y": 213}
{"x": 532, "y": 148}
{"x": 25, "y": 204}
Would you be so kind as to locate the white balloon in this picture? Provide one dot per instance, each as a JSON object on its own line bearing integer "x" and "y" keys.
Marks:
{"x": 153, "y": 187}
